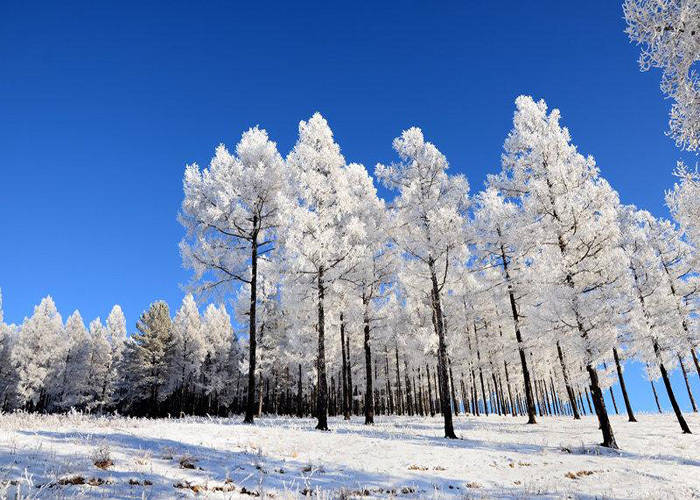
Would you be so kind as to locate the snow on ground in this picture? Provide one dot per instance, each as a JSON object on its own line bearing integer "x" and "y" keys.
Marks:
{"x": 401, "y": 457}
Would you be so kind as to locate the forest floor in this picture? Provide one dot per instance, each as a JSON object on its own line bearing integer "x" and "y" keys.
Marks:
{"x": 399, "y": 457}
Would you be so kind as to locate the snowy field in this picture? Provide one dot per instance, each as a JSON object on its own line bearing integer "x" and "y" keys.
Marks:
{"x": 400, "y": 457}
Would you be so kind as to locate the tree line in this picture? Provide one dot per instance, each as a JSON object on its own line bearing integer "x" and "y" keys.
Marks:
{"x": 525, "y": 298}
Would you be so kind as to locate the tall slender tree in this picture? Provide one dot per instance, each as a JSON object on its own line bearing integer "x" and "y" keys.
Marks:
{"x": 231, "y": 213}
{"x": 428, "y": 222}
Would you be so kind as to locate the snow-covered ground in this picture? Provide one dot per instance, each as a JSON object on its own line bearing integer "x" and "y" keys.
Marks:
{"x": 41, "y": 456}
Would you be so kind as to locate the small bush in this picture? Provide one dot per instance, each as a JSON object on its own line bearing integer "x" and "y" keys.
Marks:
{"x": 101, "y": 457}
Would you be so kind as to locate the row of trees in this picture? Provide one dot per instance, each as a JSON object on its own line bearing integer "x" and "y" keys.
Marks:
{"x": 171, "y": 365}
{"x": 525, "y": 298}
{"x": 544, "y": 271}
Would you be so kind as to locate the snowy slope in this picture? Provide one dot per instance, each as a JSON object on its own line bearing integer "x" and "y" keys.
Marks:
{"x": 496, "y": 457}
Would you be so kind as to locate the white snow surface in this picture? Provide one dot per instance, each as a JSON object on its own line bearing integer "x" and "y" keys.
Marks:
{"x": 399, "y": 457}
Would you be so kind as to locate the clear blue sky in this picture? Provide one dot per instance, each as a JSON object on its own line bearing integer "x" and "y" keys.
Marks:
{"x": 102, "y": 106}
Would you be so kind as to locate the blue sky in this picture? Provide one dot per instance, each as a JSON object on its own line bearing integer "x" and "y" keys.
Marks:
{"x": 102, "y": 106}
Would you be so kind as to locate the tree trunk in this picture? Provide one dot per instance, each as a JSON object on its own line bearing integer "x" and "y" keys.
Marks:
{"x": 399, "y": 392}
{"x": 510, "y": 393}
{"x": 452, "y": 389}
{"x": 687, "y": 384}
{"x": 250, "y": 404}
{"x": 300, "y": 401}
{"x": 407, "y": 380}
{"x": 612, "y": 396}
{"x": 669, "y": 390}
{"x": 599, "y": 404}
{"x": 656, "y": 396}
{"x": 430, "y": 392}
{"x": 442, "y": 353}
{"x": 569, "y": 389}
{"x": 351, "y": 401}
{"x": 369, "y": 388}
{"x": 475, "y": 394}
{"x": 322, "y": 385}
{"x": 346, "y": 388}
{"x": 695, "y": 360}
{"x": 390, "y": 393}
{"x": 530, "y": 400}
{"x": 621, "y": 378}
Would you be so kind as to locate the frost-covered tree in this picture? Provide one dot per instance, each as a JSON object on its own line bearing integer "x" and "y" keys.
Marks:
{"x": 427, "y": 226}
{"x": 577, "y": 228}
{"x": 71, "y": 384}
{"x": 218, "y": 339}
{"x": 34, "y": 355}
{"x": 322, "y": 229}
{"x": 116, "y": 334}
{"x": 669, "y": 33}
{"x": 8, "y": 375}
{"x": 99, "y": 364}
{"x": 373, "y": 270}
{"x": 660, "y": 322}
{"x": 186, "y": 352}
{"x": 501, "y": 234}
{"x": 684, "y": 202}
{"x": 231, "y": 211}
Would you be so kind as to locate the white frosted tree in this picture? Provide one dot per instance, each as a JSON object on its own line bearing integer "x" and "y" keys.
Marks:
{"x": 322, "y": 229}
{"x": 8, "y": 375}
{"x": 231, "y": 212}
{"x": 684, "y": 202}
{"x": 99, "y": 363}
{"x": 186, "y": 352}
{"x": 667, "y": 31}
{"x": 71, "y": 384}
{"x": 428, "y": 226}
{"x": 579, "y": 262}
{"x": 116, "y": 334}
{"x": 34, "y": 355}
{"x": 374, "y": 269}
{"x": 659, "y": 321}
{"x": 218, "y": 340}
{"x": 501, "y": 234}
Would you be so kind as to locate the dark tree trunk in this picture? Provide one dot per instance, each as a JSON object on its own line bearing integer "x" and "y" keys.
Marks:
{"x": 442, "y": 353}
{"x": 669, "y": 391}
{"x": 390, "y": 393}
{"x": 452, "y": 388}
{"x": 252, "y": 343}
{"x": 483, "y": 392}
{"x": 695, "y": 360}
{"x": 351, "y": 400}
{"x": 322, "y": 384}
{"x": 569, "y": 389}
{"x": 399, "y": 392}
{"x": 521, "y": 349}
{"x": 588, "y": 400}
{"x": 475, "y": 395}
{"x": 300, "y": 400}
{"x": 656, "y": 396}
{"x": 430, "y": 392}
{"x": 409, "y": 397}
{"x": 612, "y": 396}
{"x": 623, "y": 387}
{"x": 346, "y": 388}
{"x": 369, "y": 388}
{"x": 510, "y": 393}
{"x": 687, "y": 384}
{"x": 599, "y": 403}
{"x": 465, "y": 397}
{"x": 421, "y": 404}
